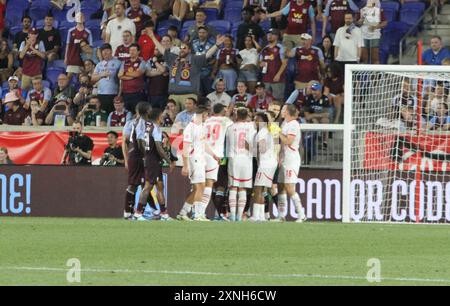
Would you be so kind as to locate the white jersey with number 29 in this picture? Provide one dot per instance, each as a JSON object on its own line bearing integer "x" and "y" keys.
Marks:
{"x": 216, "y": 131}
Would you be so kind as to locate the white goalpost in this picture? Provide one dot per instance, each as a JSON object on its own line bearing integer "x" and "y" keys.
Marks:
{"x": 396, "y": 144}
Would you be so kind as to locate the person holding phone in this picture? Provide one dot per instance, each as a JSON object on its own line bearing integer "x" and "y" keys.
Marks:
{"x": 60, "y": 115}
{"x": 92, "y": 114}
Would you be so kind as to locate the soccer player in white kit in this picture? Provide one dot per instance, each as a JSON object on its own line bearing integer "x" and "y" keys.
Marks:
{"x": 216, "y": 130}
{"x": 290, "y": 162}
{"x": 195, "y": 150}
{"x": 267, "y": 165}
{"x": 240, "y": 141}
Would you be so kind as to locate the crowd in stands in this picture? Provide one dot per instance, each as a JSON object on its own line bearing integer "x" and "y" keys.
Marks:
{"x": 169, "y": 54}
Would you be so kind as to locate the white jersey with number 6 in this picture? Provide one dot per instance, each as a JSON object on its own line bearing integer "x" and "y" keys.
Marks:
{"x": 240, "y": 157}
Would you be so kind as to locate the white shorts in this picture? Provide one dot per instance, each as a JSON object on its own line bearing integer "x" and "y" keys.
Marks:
{"x": 197, "y": 171}
{"x": 265, "y": 175}
{"x": 73, "y": 69}
{"x": 240, "y": 173}
{"x": 288, "y": 173}
{"x": 212, "y": 168}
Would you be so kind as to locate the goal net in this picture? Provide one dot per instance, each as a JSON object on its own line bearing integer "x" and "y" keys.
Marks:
{"x": 397, "y": 144}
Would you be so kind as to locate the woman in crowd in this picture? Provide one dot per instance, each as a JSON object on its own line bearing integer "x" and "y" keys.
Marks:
{"x": 6, "y": 61}
{"x": 4, "y": 157}
{"x": 248, "y": 60}
{"x": 328, "y": 50}
{"x": 334, "y": 88}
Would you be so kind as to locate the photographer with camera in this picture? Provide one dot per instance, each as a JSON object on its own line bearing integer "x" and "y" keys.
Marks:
{"x": 92, "y": 114}
{"x": 60, "y": 114}
{"x": 78, "y": 151}
{"x": 113, "y": 155}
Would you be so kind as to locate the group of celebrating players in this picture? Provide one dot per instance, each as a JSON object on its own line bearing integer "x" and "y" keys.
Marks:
{"x": 236, "y": 160}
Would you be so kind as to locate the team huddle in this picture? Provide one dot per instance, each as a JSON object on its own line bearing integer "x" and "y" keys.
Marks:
{"x": 240, "y": 163}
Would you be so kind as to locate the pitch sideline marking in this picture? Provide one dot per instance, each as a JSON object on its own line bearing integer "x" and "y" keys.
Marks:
{"x": 305, "y": 276}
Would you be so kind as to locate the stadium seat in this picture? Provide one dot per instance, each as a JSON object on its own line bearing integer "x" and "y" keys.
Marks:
{"x": 390, "y": 5}
{"x": 265, "y": 25}
{"x": 52, "y": 74}
{"x": 410, "y": 16}
{"x": 392, "y": 35}
{"x": 98, "y": 43}
{"x": 14, "y": 14}
{"x": 57, "y": 64}
{"x": 14, "y": 30}
{"x": 169, "y": 22}
{"x": 46, "y": 84}
{"x": 390, "y": 15}
{"x": 94, "y": 26}
{"x": 39, "y": 9}
{"x": 419, "y": 6}
{"x": 211, "y": 14}
{"x": 232, "y": 15}
{"x": 60, "y": 15}
{"x": 222, "y": 26}
{"x": 185, "y": 28}
{"x": 236, "y": 5}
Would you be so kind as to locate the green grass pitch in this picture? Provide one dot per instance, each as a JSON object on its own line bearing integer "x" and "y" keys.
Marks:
{"x": 35, "y": 251}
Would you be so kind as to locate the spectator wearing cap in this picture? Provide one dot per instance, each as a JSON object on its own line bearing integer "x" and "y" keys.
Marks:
{"x": 219, "y": 96}
{"x": 437, "y": 52}
{"x": 201, "y": 46}
{"x": 123, "y": 51}
{"x": 88, "y": 52}
{"x": 248, "y": 28}
{"x": 131, "y": 74}
{"x": 15, "y": 113}
{"x": 301, "y": 17}
{"x": 185, "y": 69}
{"x": 248, "y": 61}
{"x": 226, "y": 65}
{"x": 158, "y": 85}
{"x": 120, "y": 115}
{"x": 372, "y": 21}
{"x": 51, "y": 38}
{"x": 317, "y": 106}
{"x": 118, "y": 25}
{"x": 36, "y": 117}
{"x": 60, "y": 114}
{"x": 21, "y": 36}
{"x": 6, "y": 61}
{"x": 200, "y": 22}
{"x": 348, "y": 43}
{"x": 261, "y": 100}
{"x": 139, "y": 14}
{"x": 273, "y": 65}
{"x": 13, "y": 86}
{"x": 146, "y": 43}
{"x": 75, "y": 35}
{"x": 92, "y": 114}
{"x": 32, "y": 54}
{"x": 39, "y": 93}
{"x": 105, "y": 76}
{"x": 335, "y": 11}
{"x": 64, "y": 88}
{"x": 308, "y": 63}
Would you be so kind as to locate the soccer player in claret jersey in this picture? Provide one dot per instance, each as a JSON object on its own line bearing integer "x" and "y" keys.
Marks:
{"x": 216, "y": 129}
{"x": 154, "y": 155}
{"x": 290, "y": 162}
{"x": 133, "y": 131}
{"x": 195, "y": 149}
{"x": 240, "y": 141}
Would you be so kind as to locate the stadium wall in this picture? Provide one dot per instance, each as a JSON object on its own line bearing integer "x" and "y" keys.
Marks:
{"x": 96, "y": 192}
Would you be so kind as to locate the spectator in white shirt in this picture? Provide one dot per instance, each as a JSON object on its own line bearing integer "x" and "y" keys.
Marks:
{"x": 118, "y": 25}
{"x": 248, "y": 59}
{"x": 219, "y": 96}
{"x": 348, "y": 43}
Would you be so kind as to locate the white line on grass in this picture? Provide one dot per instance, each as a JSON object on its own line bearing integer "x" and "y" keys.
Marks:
{"x": 300, "y": 276}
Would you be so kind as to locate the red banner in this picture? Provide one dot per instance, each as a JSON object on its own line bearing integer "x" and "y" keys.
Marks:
{"x": 405, "y": 152}
{"x": 45, "y": 148}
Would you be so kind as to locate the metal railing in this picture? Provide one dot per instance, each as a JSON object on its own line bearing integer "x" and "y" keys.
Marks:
{"x": 432, "y": 9}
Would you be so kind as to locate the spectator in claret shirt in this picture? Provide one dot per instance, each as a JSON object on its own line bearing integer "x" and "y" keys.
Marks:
{"x": 32, "y": 54}
{"x": 131, "y": 74}
{"x": 75, "y": 35}
{"x": 120, "y": 115}
{"x": 139, "y": 14}
{"x": 260, "y": 102}
{"x": 335, "y": 11}
{"x": 16, "y": 114}
{"x": 123, "y": 51}
{"x": 39, "y": 93}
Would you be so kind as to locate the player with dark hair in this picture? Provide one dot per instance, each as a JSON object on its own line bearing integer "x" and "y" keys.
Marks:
{"x": 154, "y": 154}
